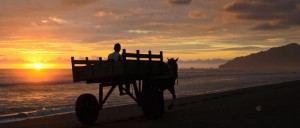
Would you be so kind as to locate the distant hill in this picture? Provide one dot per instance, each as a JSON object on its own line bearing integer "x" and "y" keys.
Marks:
{"x": 284, "y": 57}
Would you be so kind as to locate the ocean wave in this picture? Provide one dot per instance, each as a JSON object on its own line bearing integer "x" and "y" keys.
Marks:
{"x": 36, "y": 114}
{"x": 44, "y": 112}
{"x": 38, "y": 83}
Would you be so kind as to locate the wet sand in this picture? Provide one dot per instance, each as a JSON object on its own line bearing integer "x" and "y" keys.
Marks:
{"x": 276, "y": 105}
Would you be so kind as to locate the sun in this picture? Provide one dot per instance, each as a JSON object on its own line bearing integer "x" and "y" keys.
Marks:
{"x": 37, "y": 66}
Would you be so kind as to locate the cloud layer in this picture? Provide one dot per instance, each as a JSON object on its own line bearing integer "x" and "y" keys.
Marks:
{"x": 44, "y": 30}
{"x": 270, "y": 14}
{"x": 180, "y": 2}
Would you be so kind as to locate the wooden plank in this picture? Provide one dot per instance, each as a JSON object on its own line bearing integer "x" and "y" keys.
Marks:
{"x": 73, "y": 69}
{"x": 85, "y": 61}
{"x": 150, "y": 63}
{"x": 131, "y": 68}
{"x": 138, "y": 62}
{"x": 79, "y": 62}
{"x": 133, "y": 55}
{"x": 125, "y": 61}
{"x": 129, "y": 55}
{"x": 80, "y": 73}
{"x": 152, "y": 56}
{"x": 161, "y": 66}
{"x": 89, "y": 68}
{"x": 161, "y": 56}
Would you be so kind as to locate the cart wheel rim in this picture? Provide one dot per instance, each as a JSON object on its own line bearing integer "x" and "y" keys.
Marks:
{"x": 152, "y": 102}
{"x": 86, "y": 108}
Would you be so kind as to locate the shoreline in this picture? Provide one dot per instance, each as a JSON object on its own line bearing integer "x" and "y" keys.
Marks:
{"x": 41, "y": 113}
{"x": 274, "y": 105}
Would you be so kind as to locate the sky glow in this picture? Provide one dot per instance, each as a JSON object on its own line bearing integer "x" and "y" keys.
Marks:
{"x": 202, "y": 33}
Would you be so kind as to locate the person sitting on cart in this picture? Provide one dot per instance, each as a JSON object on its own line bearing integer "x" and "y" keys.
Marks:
{"x": 116, "y": 56}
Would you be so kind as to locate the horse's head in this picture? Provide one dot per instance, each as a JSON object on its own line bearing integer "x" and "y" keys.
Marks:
{"x": 173, "y": 66}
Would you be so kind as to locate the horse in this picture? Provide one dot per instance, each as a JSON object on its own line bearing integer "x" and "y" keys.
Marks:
{"x": 167, "y": 82}
{"x": 172, "y": 71}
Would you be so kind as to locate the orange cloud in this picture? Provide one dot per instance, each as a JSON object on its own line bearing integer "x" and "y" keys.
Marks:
{"x": 56, "y": 19}
{"x": 100, "y": 13}
{"x": 109, "y": 14}
{"x": 196, "y": 15}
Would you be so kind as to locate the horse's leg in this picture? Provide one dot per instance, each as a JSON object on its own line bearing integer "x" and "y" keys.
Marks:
{"x": 172, "y": 90}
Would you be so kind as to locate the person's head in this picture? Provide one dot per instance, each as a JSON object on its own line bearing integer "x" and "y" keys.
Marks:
{"x": 117, "y": 47}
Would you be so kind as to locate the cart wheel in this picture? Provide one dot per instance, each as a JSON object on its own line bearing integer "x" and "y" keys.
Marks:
{"x": 152, "y": 102}
{"x": 87, "y": 109}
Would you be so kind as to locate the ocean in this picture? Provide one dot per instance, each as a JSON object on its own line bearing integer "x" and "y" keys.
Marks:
{"x": 26, "y": 93}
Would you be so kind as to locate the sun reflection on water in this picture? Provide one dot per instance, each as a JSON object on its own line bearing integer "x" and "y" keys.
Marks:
{"x": 38, "y": 75}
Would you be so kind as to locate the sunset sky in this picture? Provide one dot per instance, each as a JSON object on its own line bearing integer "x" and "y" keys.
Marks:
{"x": 202, "y": 33}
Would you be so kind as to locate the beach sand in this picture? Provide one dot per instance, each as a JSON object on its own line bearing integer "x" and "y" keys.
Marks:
{"x": 276, "y": 105}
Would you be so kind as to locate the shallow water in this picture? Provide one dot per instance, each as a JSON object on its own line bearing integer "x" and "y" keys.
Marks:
{"x": 35, "y": 93}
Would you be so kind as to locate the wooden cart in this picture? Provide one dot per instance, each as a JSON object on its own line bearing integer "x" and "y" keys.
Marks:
{"x": 137, "y": 71}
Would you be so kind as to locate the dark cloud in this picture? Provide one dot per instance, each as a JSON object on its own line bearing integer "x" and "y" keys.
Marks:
{"x": 79, "y": 2}
{"x": 268, "y": 26}
{"x": 273, "y": 14}
{"x": 262, "y": 6}
{"x": 180, "y": 2}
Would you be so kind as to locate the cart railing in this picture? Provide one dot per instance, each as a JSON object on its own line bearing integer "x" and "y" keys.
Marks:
{"x": 134, "y": 66}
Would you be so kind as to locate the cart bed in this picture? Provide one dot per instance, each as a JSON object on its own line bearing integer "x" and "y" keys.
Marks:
{"x": 134, "y": 66}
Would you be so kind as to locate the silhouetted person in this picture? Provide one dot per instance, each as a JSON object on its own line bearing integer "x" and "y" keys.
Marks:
{"x": 116, "y": 56}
